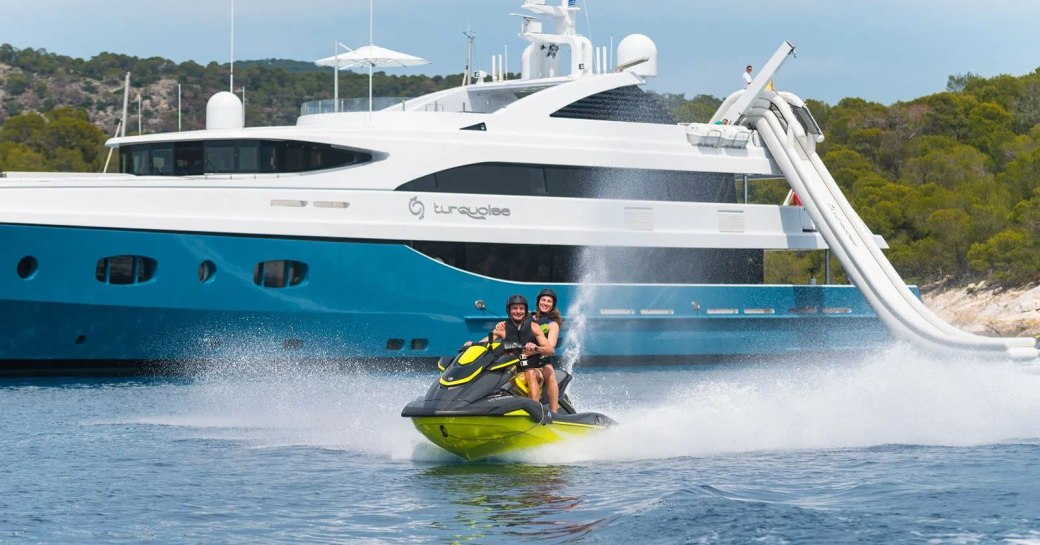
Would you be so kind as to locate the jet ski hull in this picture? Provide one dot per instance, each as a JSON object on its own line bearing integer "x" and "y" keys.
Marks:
{"x": 476, "y": 437}
{"x": 479, "y": 407}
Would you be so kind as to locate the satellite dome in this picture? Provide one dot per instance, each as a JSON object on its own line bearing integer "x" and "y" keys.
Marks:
{"x": 224, "y": 111}
{"x": 637, "y": 54}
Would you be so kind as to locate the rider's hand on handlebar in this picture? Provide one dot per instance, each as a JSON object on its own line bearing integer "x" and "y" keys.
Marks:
{"x": 530, "y": 348}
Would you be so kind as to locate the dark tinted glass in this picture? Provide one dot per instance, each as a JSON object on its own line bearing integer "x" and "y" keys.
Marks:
{"x": 543, "y": 263}
{"x": 579, "y": 182}
{"x": 233, "y": 156}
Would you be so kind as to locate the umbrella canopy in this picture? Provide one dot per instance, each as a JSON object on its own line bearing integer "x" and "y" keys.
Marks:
{"x": 372, "y": 56}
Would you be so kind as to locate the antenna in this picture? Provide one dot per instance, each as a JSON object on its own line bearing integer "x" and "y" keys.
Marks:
{"x": 231, "y": 86}
{"x": 469, "y": 55}
{"x": 126, "y": 102}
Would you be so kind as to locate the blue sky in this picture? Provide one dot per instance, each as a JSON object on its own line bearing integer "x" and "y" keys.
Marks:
{"x": 881, "y": 50}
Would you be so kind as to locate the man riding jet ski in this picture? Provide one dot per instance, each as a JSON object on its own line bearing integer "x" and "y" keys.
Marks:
{"x": 479, "y": 405}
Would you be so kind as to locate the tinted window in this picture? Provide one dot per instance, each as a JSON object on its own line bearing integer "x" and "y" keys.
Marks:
{"x": 579, "y": 182}
{"x": 188, "y": 159}
{"x": 492, "y": 179}
{"x": 141, "y": 160}
{"x": 162, "y": 161}
{"x": 269, "y": 156}
{"x": 233, "y": 156}
{"x": 125, "y": 269}
{"x": 248, "y": 157}
{"x": 220, "y": 157}
{"x": 279, "y": 273}
{"x": 543, "y": 263}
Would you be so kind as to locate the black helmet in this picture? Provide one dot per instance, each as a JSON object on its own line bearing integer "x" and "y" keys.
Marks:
{"x": 516, "y": 299}
{"x": 548, "y": 292}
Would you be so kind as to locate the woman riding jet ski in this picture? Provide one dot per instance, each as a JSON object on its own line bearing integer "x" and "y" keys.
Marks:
{"x": 479, "y": 405}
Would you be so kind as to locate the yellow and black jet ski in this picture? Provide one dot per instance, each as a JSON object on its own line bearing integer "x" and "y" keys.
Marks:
{"x": 479, "y": 406}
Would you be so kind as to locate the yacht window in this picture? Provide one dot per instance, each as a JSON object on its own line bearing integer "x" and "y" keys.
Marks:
{"x": 220, "y": 157}
{"x": 206, "y": 271}
{"x": 188, "y": 159}
{"x": 162, "y": 161}
{"x": 269, "y": 156}
{"x": 625, "y": 265}
{"x": 279, "y": 273}
{"x": 248, "y": 157}
{"x": 579, "y": 182}
{"x": 27, "y": 267}
{"x": 140, "y": 156}
{"x": 493, "y": 178}
{"x": 125, "y": 269}
{"x": 195, "y": 158}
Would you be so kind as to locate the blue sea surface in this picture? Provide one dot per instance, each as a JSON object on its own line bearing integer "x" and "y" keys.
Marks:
{"x": 892, "y": 448}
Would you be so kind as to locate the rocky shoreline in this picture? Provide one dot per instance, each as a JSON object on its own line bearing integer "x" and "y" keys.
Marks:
{"x": 980, "y": 309}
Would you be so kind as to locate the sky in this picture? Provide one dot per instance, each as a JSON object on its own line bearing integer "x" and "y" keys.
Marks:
{"x": 880, "y": 50}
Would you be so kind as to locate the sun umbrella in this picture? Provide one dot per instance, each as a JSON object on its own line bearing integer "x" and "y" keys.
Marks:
{"x": 371, "y": 56}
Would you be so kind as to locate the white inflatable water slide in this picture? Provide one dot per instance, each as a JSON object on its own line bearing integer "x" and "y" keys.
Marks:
{"x": 790, "y": 134}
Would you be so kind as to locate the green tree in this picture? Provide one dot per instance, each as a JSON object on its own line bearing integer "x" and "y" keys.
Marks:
{"x": 699, "y": 109}
{"x": 19, "y": 157}
{"x": 1009, "y": 258}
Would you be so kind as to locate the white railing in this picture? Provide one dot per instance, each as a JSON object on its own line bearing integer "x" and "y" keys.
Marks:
{"x": 351, "y": 105}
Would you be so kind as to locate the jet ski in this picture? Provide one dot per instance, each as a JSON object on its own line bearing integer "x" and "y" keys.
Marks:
{"x": 479, "y": 406}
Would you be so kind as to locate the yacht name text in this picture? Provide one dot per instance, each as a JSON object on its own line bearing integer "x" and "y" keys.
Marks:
{"x": 480, "y": 212}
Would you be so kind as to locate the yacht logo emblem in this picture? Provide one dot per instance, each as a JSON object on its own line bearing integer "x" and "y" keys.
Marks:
{"x": 416, "y": 207}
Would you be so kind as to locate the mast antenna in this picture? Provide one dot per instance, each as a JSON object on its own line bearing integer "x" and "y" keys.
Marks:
{"x": 469, "y": 55}
{"x": 231, "y": 86}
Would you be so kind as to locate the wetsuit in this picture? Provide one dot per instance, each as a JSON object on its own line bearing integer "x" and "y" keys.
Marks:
{"x": 521, "y": 335}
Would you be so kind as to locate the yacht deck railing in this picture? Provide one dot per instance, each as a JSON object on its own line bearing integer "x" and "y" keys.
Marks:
{"x": 328, "y": 106}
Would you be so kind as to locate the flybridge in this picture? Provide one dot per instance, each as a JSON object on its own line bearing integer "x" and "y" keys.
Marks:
{"x": 557, "y": 54}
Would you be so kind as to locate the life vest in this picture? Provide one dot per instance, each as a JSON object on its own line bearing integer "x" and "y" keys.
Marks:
{"x": 543, "y": 322}
{"x": 521, "y": 335}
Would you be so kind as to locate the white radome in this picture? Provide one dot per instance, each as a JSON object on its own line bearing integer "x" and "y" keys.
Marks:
{"x": 633, "y": 49}
{"x": 224, "y": 111}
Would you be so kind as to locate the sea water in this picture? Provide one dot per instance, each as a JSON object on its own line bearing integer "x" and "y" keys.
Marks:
{"x": 891, "y": 447}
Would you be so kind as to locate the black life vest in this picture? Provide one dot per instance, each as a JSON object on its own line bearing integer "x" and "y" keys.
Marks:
{"x": 521, "y": 335}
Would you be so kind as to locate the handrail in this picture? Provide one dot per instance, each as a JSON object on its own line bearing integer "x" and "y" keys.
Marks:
{"x": 328, "y": 106}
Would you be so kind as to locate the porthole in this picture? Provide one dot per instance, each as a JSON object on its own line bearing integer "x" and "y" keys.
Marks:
{"x": 394, "y": 344}
{"x": 125, "y": 269}
{"x": 80, "y": 339}
{"x": 420, "y": 344}
{"x": 206, "y": 271}
{"x": 27, "y": 267}
{"x": 279, "y": 273}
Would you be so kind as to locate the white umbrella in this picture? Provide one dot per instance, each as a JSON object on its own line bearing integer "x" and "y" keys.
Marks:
{"x": 371, "y": 56}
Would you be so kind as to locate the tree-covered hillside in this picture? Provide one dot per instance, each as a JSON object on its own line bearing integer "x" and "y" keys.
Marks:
{"x": 951, "y": 180}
